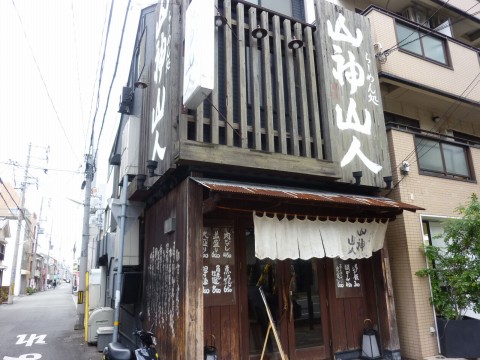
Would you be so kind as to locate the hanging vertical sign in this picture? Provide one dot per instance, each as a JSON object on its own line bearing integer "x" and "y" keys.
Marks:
{"x": 351, "y": 106}
{"x": 198, "y": 68}
{"x": 161, "y": 92}
{"x": 347, "y": 278}
{"x": 218, "y": 266}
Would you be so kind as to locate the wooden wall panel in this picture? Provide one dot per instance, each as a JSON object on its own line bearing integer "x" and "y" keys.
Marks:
{"x": 348, "y": 314}
{"x": 172, "y": 273}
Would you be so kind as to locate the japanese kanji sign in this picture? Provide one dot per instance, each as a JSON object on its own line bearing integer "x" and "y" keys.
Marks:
{"x": 347, "y": 278}
{"x": 351, "y": 105}
{"x": 218, "y": 266}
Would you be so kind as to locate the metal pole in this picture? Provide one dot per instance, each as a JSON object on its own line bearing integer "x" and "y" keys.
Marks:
{"x": 33, "y": 268}
{"x": 47, "y": 271}
{"x": 21, "y": 217}
{"x": 118, "y": 278}
{"x": 84, "y": 249}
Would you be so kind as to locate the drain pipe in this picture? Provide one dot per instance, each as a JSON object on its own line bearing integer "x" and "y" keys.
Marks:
{"x": 118, "y": 279}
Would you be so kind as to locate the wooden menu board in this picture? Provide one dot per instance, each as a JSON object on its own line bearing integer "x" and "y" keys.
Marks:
{"x": 218, "y": 266}
{"x": 347, "y": 278}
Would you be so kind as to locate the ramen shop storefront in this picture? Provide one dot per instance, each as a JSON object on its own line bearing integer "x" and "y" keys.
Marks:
{"x": 311, "y": 263}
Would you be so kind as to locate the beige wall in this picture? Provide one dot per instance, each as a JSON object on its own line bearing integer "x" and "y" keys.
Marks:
{"x": 439, "y": 197}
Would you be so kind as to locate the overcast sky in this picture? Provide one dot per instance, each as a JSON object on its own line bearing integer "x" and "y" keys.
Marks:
{"x": 51, "y": 51}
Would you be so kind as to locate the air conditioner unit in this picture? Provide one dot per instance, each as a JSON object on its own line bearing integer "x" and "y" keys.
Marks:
{"x": 130, "y": 147}
{"x": 416, "y": 14}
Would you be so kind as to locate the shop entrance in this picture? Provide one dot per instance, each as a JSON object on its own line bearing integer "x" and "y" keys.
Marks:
{"x": 295, "y": 291}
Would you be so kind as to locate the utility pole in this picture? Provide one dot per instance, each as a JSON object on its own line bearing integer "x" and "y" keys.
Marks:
{"x": 33, "y": 268}
{"x": 84, "y": 249}
{"x": 47, "y": 272}
{"x": 21, "y": 218}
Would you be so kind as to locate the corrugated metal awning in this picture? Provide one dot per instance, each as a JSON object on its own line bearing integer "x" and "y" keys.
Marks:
{"x": 323, "y": 197}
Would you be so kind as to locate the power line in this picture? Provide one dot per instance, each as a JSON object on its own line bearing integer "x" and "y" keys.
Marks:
{"x": 45, "y": 169}
{"x": 99, "y": 73}
{"x": 113, "y": 78}
{"x": 43, "y": 80}
{"x": 100, "y": 78}
{"x": 75, "y": 43}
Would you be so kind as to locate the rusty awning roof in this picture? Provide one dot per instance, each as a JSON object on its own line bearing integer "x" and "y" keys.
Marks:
{"x": 322, "y": 197}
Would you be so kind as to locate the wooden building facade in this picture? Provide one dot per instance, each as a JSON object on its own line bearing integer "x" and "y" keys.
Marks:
{"x": 270, "y": 181}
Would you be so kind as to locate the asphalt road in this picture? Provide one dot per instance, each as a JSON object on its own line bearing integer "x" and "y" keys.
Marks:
{"x": 40, "y": 326}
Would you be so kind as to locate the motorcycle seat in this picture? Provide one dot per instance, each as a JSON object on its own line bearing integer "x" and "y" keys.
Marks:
{"x": 118, "y": 351}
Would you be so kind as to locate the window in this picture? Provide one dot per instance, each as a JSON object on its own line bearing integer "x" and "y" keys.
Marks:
{"x": 442, "y": 158}
{"x": 281, "y": 7}
{"x": 421, "y": 43}
{"x": 466, "y": 138}
{"x": 401, "y": 122}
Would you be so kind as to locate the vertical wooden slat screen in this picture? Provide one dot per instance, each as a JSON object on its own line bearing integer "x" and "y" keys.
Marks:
{"x": 214, "y": 95}
{"x": 242, "y": 75}
{"x": 267, "y": 87}
{"x": 302, "y": 94}
{"x": 279, "y": 93}
{"x": 312, "y": 94}
{"x": 255, "y": 82}
{"x": 227, "y": 5}
{"x": 268, "y": 94}
{"x": 292, "y": 103}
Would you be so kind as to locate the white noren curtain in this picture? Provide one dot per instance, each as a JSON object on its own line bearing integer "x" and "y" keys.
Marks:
{"x": 304, "y": 239}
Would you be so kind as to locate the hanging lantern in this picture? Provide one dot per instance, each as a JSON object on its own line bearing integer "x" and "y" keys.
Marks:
{"x": 369, "y": 342}
{"x": 210, "y": 351}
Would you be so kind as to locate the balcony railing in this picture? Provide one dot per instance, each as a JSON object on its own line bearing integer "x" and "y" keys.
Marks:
{"x": 266, "y": 95}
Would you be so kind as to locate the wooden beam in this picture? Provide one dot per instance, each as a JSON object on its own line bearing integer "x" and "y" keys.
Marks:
{"x": 292, "y": 93}
{"x": 312, "y": 94}
{"x": 227, "y": 9}
{"x": 279, "y": 93}
{"x": 267, "y": 84}
{"x": 242, "y": 75}
{"x": 302, "y": 94}
{"x": 255, "y": 75}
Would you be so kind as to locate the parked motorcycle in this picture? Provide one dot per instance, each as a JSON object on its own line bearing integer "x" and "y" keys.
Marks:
{"x": 147, "y": 351}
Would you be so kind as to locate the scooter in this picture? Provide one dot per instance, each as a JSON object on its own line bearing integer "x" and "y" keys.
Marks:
{"x": 147, "y": 351}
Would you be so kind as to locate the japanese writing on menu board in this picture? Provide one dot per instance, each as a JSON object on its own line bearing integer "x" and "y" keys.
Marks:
{"x": 218, "y": 265}
{"x": 347, "y": 278}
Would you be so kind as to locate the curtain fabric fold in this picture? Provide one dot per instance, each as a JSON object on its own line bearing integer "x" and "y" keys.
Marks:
{"x": 304, "y": 238}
